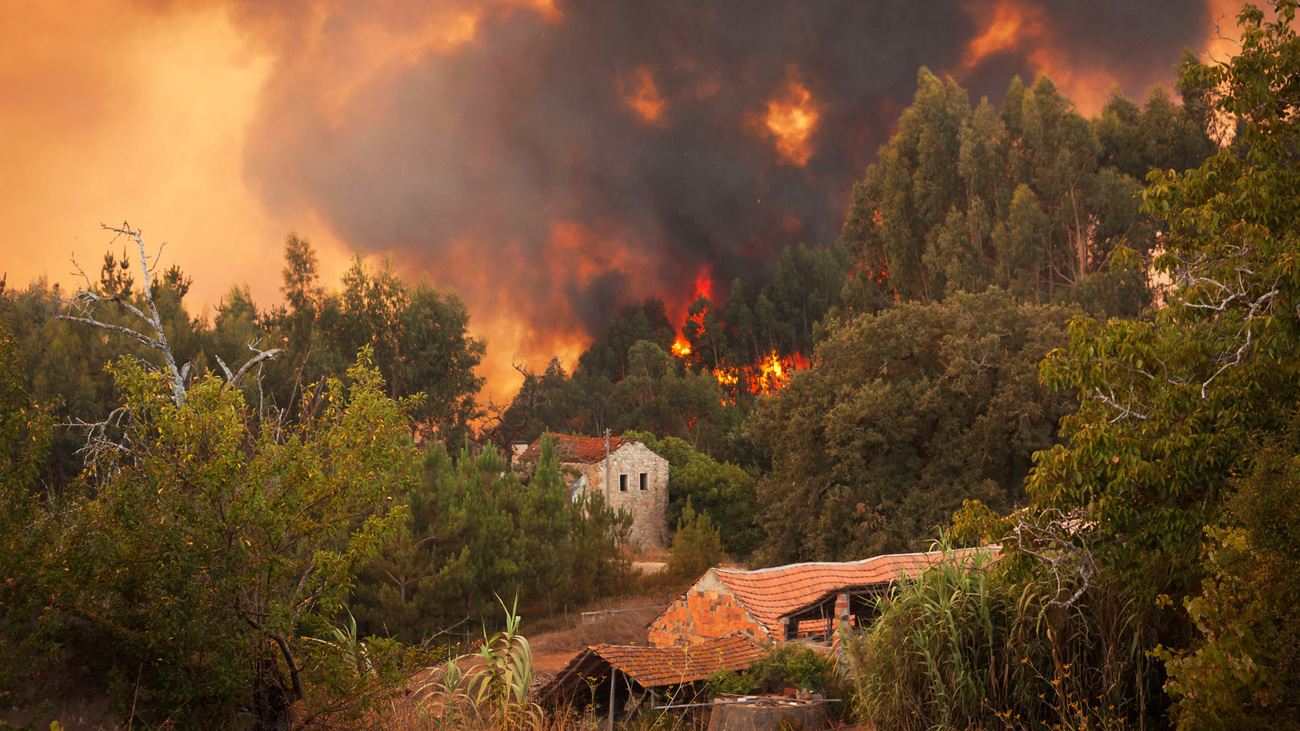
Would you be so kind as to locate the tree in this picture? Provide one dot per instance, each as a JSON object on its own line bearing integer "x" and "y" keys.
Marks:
{"x": 1244, "y": 669}
{"x": 607, "y": 355}
{"x": 477, "y": 532}
{"x": 206, "y": 556}
{"x": 1171, "y": 404}
{"x": 145, "y": 312}
{"x": 26, "y": 429}
{"x": 903, "y": 415}
{"x": 1040, "y": 200}
{"x": 660, "y": 396}
{"x": 419, "y": 336}
{"x": 696, "y": 546}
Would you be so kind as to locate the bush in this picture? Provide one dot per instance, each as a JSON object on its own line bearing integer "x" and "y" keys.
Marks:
{"x": 785, "y": 666}
{"x": 205, "y": 549}
{"x": 978, "y": 646}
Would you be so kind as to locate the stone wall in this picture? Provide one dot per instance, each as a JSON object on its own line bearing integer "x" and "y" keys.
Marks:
{"x": 707, "y": 610}
{"x": 649, "y": 527}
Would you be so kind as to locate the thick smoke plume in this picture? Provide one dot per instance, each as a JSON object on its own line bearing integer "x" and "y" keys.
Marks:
{"x": 554, "y": 162}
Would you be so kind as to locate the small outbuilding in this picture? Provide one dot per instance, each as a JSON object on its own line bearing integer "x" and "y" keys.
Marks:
{"x": 645, "y": 674}
{"x": 638, "y": 478}
{"x": 800, "y": 601}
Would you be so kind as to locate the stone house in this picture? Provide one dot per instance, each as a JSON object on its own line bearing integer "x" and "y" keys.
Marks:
{"x": 803, "y": 601}
{"x": 638, "y": 478}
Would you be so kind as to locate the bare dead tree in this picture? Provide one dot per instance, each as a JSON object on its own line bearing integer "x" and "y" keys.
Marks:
{"x": 1058, "y": 541}
{"x": 82, "y": 308}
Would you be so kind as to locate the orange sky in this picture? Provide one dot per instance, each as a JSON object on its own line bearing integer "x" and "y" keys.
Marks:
{"x": 112, "y": 110}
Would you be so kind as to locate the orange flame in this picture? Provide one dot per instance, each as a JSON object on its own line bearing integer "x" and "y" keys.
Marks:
{"x": 640, "y": 94}
{"x": 704, "y": 283}
{"x": 773, "y": 373}
{"x": 791, "y": 119}
{"x": 703, "y": 288}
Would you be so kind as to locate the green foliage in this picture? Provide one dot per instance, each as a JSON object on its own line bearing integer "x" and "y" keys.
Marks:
{"x": 967, "y": 645}
{"x": 1245, "y": 672}
{"x": 25, "y": 433}
{"x": 607, "y": 357}
{"x": 1038, "y": 202}
{"x": 696, "y": 548}
{"x": 905, "y": 414}
{"x": 784, "y": 666}
{"x": 495, "y": 690}
{"x": 553, "y": 401}
{"x": 419, "y": 336}
{"x": 212, "y": 543}
{"x": 1171, "y": 404}
{"x": 720, "y": 490}
{"x": 477, "y": 529}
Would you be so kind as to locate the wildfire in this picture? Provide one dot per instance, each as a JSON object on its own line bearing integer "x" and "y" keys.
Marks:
{"x": 1017, "y": 25}
{"x": 1007, "y": 24}
{"x": 792, "y": 119}
{"x": 704, "y": 283}
{"x": 766, "y": 377}
{"x": 773, "y": 373}
{"x": 640, "y": 94}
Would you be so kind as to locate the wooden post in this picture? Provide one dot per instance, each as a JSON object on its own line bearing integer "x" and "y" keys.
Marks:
{"x": 607, "y": 503}
{"x": 612, "y": 672}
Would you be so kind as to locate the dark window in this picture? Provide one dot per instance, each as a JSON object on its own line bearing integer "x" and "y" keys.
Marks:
{"x": 643, "y": 476}
{"x": 622, "y": 483}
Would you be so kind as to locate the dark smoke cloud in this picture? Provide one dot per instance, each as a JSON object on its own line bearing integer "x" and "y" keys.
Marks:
{"x": 473, "y": 164}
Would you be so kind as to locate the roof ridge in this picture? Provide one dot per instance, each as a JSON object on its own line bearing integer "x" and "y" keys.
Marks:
{"x": 859, "y": 562}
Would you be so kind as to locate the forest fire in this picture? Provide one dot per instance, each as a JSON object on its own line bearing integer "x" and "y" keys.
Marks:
{"x": 1015, "y": 26}
{"x": 765, "y": 377}
{"x": 703, "y": 290}
{"x": 640, "y": 94}
{"x": 792, "y": 119}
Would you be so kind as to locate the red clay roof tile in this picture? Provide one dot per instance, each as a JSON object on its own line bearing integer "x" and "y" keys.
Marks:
{"x": 770, "y": 594}
{"x": 584, "y": 450}
{"x": 655, "y": 667}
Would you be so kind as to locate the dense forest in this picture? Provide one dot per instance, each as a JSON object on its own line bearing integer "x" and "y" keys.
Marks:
{"x": 1072, "y": 336}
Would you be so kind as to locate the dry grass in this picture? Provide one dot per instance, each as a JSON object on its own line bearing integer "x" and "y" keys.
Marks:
{"x": 552, "y": 650}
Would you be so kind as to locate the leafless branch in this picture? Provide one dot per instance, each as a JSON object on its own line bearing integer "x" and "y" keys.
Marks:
{"x": 87, "y": 299}
{"x": 1057, "y": 541}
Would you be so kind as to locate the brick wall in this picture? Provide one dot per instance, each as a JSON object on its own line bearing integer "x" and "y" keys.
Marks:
{"x": 707, "y": 610}
{"x": 649, "y": 527}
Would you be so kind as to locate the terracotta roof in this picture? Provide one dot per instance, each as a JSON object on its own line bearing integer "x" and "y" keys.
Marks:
{"x": 655, "y": 667}
{"x": 586, "y": 450}
{"x": 770, "y": 594}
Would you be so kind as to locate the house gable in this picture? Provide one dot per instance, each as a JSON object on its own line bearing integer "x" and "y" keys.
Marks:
{"x": 704, "y": 612}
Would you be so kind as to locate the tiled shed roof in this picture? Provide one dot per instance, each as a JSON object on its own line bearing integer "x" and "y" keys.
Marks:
{"x": 584, "y": 450}
{"x": 655, "y": 667}
{"x": 770, "y": 594}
